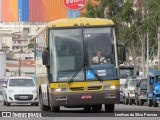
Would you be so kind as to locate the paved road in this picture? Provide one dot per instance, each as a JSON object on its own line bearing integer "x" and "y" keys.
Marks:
{"x": 65, "y": 112}
{"x": 118, "y": 107}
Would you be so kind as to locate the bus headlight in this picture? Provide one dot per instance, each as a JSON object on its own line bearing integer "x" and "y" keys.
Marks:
{"x": 60, "y": 90}
{"x": 113, "y": 87}
{"x": 109, "y": 87}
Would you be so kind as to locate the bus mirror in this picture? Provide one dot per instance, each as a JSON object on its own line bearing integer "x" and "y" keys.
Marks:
{"x": 122, "y": 54}
{"x": 45, "y": 57}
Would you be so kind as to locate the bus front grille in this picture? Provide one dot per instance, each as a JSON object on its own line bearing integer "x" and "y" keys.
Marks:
{"x": 85, "y": 88}
{"x": 95, "y": 88}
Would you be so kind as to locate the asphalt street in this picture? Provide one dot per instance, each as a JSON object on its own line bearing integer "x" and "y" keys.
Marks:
{"x": 74, "y": 112}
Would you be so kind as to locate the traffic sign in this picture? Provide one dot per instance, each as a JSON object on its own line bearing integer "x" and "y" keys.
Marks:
{"x": 90, "y": 74}
{"x": 74, "y": 4}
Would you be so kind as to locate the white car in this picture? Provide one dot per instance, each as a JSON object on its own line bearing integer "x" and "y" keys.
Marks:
{"x": 129, "y": 90}
{"x": 20, "y": 90}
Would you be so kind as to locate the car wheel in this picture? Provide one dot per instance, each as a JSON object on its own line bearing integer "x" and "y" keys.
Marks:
{"x": 36, "y": 104}
{"x": 32, "y": 104}
{"x": 137, "y": 102}
{"x": 141, "y": 102}
{"x": 155, "y": 104}
{"x": 97, "y": 107}
{"x": 42, "y": 107}
{"x": 149, "y": 103}
{"x": 109, "y": 107}
{"x": 55, "y": 109}
{"x": 130, "y": 101}
{"x": 4, "y": 102}
{"x": 8, "y": 104}
{"x": 125, "y": 101}
{"x": 87, "y": 108}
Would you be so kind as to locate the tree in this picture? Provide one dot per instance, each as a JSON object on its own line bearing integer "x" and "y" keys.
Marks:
{"x": 132, "y": 24}
{"x": 31, "y": 43}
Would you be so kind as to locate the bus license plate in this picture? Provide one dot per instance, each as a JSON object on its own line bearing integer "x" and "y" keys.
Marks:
{"x": 86, "y": 97}
{"x": 23, "y": 97}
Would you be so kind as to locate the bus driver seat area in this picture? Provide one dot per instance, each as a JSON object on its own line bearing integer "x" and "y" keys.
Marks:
{"x": 99, "y": 59}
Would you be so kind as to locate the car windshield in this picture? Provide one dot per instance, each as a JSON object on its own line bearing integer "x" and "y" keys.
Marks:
{"x": 133, "y": 82}
{"x": 125, "y": 72}
{"x": 143, "y": 83}
{"x": 21, "y": 82}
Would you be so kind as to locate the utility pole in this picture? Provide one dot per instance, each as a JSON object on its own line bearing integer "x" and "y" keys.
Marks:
{"x": 147, "y": 42}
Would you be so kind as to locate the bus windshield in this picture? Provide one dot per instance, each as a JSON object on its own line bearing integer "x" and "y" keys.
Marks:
{"x": 72, "y": 49}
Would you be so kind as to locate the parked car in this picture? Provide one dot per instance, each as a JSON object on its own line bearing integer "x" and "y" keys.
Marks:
{"x": 20, "y": 90}
{"x": 129, "y": 90}
{"x": 141, "y": 92}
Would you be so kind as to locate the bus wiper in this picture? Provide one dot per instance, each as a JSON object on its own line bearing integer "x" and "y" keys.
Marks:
{"x": 89, "y": 68}
{"x": 76, "y": 73}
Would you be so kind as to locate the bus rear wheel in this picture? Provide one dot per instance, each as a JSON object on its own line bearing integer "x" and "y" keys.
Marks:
{"x": 97, "y": 107}
{"x": 109, "y": 108}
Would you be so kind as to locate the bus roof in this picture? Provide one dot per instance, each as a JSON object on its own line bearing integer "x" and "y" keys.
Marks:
{"x": 70, "y": 22}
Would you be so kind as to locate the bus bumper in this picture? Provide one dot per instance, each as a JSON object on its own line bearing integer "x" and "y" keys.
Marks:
{"x": 85, "y": 98}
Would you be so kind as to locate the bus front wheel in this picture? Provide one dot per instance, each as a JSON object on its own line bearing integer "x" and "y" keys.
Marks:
{"x": 109, "y": 107}
{"x": 42, "y": 107}
{"x": 97, "y": 107}
{"x": 87, "y": 108}
{"x": 55, "y": 109}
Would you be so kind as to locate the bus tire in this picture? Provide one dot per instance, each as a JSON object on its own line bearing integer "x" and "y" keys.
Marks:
{"x": 42, "y": 107}
{"x": 87, "y": 108}
{"x": 155, "y": 104}
{"x": 97, "y": 107}
{"x": 55, "y": 109}
{"x": 109, "y": 108}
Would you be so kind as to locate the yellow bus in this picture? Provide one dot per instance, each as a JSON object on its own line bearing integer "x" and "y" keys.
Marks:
{"x": 77, "y": 65}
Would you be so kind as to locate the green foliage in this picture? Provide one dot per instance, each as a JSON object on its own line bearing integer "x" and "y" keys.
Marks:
{"x": 31, "y": 45}
{"x": 131, "y": 24}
